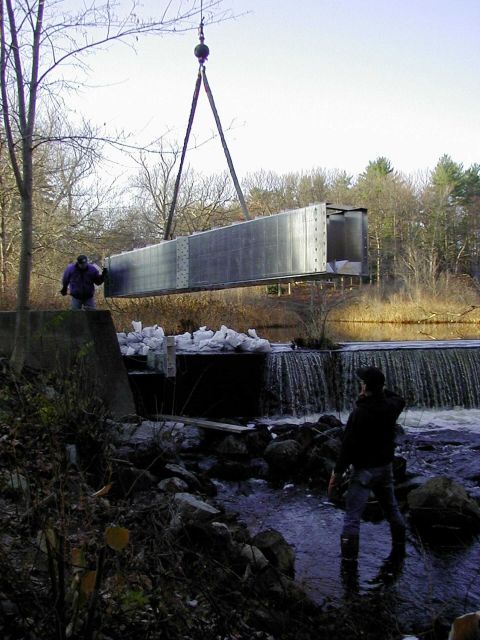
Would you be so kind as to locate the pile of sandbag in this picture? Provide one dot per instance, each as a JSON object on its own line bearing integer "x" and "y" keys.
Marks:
{"x": 143, "y": 340}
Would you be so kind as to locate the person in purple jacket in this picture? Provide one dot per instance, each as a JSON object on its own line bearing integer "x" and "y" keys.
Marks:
{"x": 81, "y": 277}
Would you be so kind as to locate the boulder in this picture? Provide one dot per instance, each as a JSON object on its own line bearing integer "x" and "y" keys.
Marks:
{"x": 230, "y": 470}
{"x": 402, "y": 489}
{"x": 238, "y": 470}
{"x": 317, "y": 466}
{"x": 258, "y": 468}
{"x": 251, "y": 556}
{"x": 128, "y": 480}
{"x": 171, "y": 438}
{"x": 305, "y": 436}
{"x": 221, "y": 534}
{"x": 330, "y": 420}
{"x": 283, "y": 456}
{"x": 209, "y": 535}
{"x": 232, "y": 447}
{"x": 329, "y": 448}
{"x": 442, "y": 503}
{"x": 258, "y": 440}
{"x": 173, "y": 485}
{"x": 187, "y": 476}
{"x": 284, "y": 430}
{"x": 277, "y": 551}
{"x": 324, "y": 433}
{"x": 191, "y": 509}
{"x": 146, "y": 455}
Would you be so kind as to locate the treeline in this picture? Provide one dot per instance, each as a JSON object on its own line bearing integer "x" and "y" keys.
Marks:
{"x": 420, "y": 226}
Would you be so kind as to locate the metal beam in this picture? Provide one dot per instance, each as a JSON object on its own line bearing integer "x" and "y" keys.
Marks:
{"x": 300, "y": 244}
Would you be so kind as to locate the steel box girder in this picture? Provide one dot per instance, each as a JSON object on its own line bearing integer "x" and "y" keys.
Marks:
{"x": 300, "y": 244}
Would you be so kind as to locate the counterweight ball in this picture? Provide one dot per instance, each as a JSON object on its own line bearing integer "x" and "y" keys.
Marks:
{"x": 201, "y": 51}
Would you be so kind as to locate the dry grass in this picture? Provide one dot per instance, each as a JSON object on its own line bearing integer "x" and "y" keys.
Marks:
{"x": 404, "y": 332}
{"x": 457, "y": 303}
{"x": 240, "y": 309}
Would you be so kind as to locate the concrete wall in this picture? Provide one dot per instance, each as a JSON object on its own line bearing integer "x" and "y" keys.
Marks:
{"x": 62, "y": 340}
{"x": 211, "y": 385}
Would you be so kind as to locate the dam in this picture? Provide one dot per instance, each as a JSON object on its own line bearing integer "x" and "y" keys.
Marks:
{"x": 301, "y": 382}
{"x": 285, "y": 381}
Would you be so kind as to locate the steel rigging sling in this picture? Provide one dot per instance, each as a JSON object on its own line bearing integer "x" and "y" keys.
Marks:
{"x": 201, "y": 52}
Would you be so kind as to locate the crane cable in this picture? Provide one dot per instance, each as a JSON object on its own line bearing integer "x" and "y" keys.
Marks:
{"x": 201, "y": 52}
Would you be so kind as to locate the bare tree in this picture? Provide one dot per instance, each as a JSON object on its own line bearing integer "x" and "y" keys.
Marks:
{"x": 41, "y": 43}
{"x": 9, "y": 218}
{"x": 153, "y": 185}
{"x": 203, "y": 200}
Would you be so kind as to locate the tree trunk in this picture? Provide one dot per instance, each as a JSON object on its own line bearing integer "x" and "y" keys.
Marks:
{"x": 378, "y": 259}
{"x": 3, "y": 253}
{"x": 22, "y": 325}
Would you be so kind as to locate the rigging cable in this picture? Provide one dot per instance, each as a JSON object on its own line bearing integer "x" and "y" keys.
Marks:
{"x": 201, "y": 52}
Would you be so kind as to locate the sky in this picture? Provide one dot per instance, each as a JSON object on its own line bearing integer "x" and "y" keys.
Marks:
{"x": 306, "y": 84}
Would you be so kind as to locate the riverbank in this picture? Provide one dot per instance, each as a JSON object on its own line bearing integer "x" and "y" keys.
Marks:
{"x": 141, "y": 530}
{"x": 449, "y": 309}
{"x": 103, "y": 537}
{"x": 437, "y": 581}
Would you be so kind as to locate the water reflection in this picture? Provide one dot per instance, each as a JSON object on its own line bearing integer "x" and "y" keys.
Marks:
{"x": 384, "y": 332}
{"x": 424, "y": 584}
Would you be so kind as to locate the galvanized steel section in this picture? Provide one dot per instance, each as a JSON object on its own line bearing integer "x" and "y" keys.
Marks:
{"x": 183, "y": 262}
{"x": 347, "y": 240}
{"x": 291, "y": 245}
{"x": 287, "y": 244}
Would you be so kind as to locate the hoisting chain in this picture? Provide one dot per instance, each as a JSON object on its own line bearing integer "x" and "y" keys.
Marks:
{"x": 201, "y": 52}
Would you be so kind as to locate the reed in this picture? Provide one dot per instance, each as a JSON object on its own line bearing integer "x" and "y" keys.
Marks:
{"x": 240, "y": 309}
{"x": 454, "y": 302}
{"x": 460, "y": 306}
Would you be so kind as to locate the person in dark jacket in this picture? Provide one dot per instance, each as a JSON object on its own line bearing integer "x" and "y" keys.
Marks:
{"x": 80, "y": 278}
{"x": 368, "y": 446}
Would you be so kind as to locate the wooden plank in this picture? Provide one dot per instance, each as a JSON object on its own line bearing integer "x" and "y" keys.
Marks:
{"x": 207, "y": 424}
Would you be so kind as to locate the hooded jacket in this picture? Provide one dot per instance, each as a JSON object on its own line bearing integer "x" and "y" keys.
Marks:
{"x": 369, "y": 436}
{"x": 81, "y": 281}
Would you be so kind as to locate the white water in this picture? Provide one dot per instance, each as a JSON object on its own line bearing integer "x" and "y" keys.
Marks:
{"x": 413, "y": 420}
{"x": 443, "y": 374}
{"x": 460, "y": 419}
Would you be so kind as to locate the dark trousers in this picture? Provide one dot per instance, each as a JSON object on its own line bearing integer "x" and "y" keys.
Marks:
{"x": 380, "y": 481}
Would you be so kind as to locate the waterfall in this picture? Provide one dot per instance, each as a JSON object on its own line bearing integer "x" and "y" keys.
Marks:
{"x": 299, "y": 383}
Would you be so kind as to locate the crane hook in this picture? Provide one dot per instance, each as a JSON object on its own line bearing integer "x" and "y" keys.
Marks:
{"x": 201, "y": 51}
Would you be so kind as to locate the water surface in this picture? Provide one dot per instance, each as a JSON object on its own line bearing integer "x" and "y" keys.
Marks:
{"x": 379, "y": 332}
{"x": 440, "y": 581}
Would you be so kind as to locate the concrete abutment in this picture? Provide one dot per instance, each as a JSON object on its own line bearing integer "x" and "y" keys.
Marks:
{"x": 86, "y": 340}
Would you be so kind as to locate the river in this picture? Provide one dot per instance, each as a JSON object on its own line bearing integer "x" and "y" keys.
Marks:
{"x": 435, "y": 582}
{"x": 441, "y": 380}
{"x": 381, "y": 332}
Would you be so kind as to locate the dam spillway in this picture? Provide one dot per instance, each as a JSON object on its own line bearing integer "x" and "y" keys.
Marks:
{"x": 428, "y": 376}
{"x": 301, "y": 382}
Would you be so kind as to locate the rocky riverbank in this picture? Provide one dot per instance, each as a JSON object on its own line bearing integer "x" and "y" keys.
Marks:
{"x": 117, "y": 530}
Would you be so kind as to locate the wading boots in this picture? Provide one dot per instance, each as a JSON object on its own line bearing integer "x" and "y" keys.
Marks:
{"x": 349, "y": 547}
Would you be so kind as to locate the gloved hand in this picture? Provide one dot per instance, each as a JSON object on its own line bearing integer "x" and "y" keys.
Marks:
{"x": 104, "y": 272}
{"x": 63, "y": 291}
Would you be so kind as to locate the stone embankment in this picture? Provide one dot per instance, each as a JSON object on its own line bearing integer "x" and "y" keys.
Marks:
{"x": 180, "y": 464}
{"x": 183, "y": 461}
